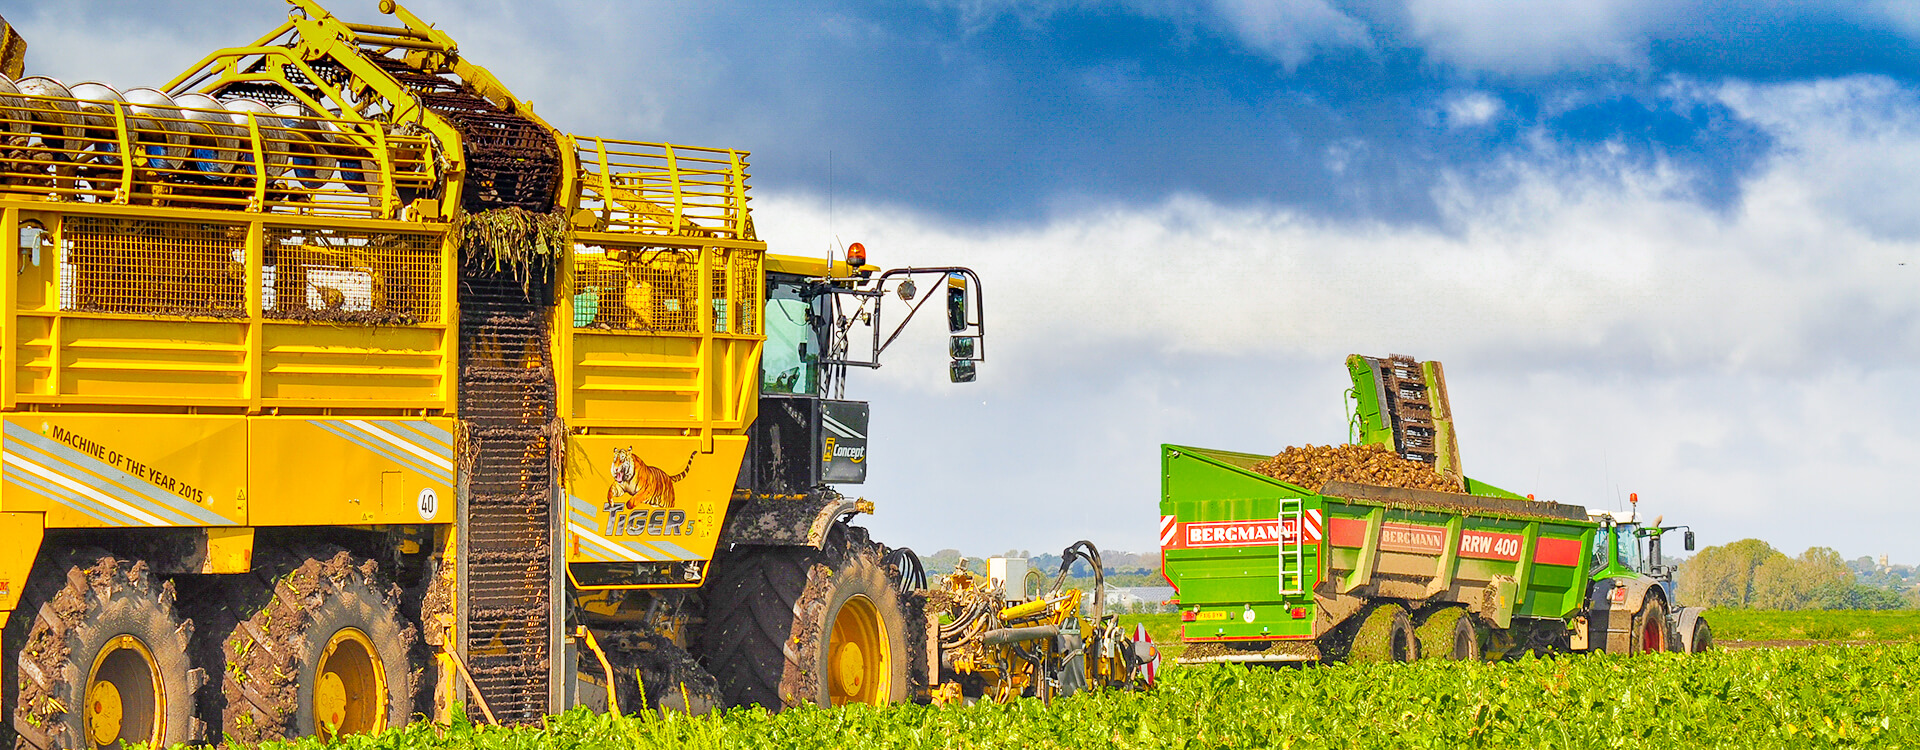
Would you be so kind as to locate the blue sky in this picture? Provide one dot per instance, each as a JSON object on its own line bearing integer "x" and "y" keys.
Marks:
{"x": 1663, "y": 247}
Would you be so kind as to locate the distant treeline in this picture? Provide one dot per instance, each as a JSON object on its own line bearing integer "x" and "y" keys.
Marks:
{"x": 1751, "y": 574}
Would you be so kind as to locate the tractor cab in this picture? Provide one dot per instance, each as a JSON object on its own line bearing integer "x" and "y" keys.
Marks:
{"x": 1625, "y": 546}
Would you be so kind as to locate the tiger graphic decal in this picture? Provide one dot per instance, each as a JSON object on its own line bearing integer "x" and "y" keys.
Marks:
{"x": 640, "y": 483}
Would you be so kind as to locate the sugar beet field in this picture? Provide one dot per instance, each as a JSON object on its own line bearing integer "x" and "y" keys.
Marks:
{"x": 1833, "y": 695}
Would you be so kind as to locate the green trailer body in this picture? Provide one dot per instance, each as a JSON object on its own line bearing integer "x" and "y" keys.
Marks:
{"x": 1256, "y": 559}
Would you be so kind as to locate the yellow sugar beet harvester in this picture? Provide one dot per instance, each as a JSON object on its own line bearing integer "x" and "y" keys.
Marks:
{"x": 339, "y": 388}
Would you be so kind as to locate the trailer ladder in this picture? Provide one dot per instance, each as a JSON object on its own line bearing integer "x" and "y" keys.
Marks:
{"x": 1292, "y": 548}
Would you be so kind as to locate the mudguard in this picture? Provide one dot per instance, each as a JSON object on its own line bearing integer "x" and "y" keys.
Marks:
{"x": 787, "y": 520}
{"x": 1684, "y": 620}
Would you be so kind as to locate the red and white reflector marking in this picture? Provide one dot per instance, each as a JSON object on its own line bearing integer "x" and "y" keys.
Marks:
{"x": 1167, "y": 532}
{"x": 1151, "y": 669}
{"x": 1311, "y": 523}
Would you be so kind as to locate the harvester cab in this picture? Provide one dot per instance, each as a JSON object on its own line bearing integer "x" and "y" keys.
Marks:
{"x": 822, "y": 318}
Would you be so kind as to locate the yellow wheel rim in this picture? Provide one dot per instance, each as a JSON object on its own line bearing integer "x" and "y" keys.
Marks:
{"x": 859, "y": 669}
{"x": 124, "y": 700}
{"x": 350, "y": 692}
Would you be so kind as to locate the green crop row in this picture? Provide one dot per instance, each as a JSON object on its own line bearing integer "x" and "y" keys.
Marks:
{"x": 1829, "y": 696}
{"x": 1732, "y": 625}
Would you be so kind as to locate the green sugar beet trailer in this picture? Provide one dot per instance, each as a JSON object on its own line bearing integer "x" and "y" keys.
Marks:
{"x": 1269, "y": 571}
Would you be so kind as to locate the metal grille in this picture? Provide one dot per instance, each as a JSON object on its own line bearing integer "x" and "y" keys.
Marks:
{"x": 511, "y": 161}
{"x": 72, "y": 150}
{"x": 652, "y": 290}
{"x": 717, "y": 278}
{"x": 745, "y": 266}
{"x": 658, "y": 290}
{"x": 142, "y": 267}
{"x": 508, "y": 412}
{"x": 351, "y": 277}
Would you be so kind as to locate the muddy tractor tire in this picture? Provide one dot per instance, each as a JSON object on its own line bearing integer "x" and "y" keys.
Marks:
{"x": 328, "y": 655}
{"x": 1650, "y": 628}
{"x": 1702, "y": 640}
{"x": 794, "y": 625}
{"x": 104, "y": 659}
{"x": 1385, "y": 634}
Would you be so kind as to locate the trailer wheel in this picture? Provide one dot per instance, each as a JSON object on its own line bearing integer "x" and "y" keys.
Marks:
{"x": 104, "y": 660}
{"x": 327, "y": 656}
{"x": 1437, "y": 636}
{"x": 793, "y": 625}
{"x": 1650, "y": 627}
{"x": 1385, "y": 634}
{"x": 1453, "y": 634}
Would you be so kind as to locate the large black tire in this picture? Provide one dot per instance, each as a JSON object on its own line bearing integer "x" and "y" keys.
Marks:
{"x": 103, "y": 658}
{"x": 331, "y": 608}
{"x": 1452, "y": 634}
{"x": 1650, "y": 628}
{"x": 772, "y": 612}
{"x": 1385, "y": 634}
{"x": 1434, "y": 630}
{"x": 1702, "y": 640}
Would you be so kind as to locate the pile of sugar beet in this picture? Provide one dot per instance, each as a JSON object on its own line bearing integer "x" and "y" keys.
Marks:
{"x": 1313, "y": 466}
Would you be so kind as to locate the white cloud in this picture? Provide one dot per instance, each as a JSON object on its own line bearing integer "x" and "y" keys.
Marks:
{"x": 1291, "y": 31}
{"x": 1536, "y": 37}
{"x": 1601, "y": 334}
{"x": 1466, "y": 109}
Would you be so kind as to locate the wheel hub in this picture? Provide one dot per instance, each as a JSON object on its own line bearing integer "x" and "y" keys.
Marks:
{"x": 857, "y": 648}
{"x": 852, "y": 665}
{"x": 103, "y": 713}
{"x": 123, "y": 698}
{"x": 350, "y": 690}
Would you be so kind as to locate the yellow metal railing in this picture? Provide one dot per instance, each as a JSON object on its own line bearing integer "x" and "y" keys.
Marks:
{"x": 659, "y": 290}
{"x": 242, "y": 157}
{"x": 120, "y": 306}
{"x": 662, "y": 189}
{"x": 664, "y": 338}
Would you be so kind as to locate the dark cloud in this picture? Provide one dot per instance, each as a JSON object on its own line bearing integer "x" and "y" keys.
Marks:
{"x": 1004, "y": 112}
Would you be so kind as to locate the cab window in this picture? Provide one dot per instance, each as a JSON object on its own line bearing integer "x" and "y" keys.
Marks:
{"x": 790, "y": 361}
{"x": 1629, "y": 548}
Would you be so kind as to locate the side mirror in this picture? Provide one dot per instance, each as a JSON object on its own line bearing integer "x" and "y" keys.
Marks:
{"x": 1688, "y": 540}
{"x": 961, "y": 371}
{"x": 962, "y": 347}
{"x": 956, "y": 302}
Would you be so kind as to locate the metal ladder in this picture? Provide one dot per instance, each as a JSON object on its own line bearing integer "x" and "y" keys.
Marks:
{"x": 1292, "y": 548}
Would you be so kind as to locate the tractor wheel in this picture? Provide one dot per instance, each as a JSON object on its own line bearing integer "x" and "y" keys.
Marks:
{"x": 1385, "y": 634}
{"x": 327, "y": 656}
{"x": 1702, "y": 640}
{"x": 793, "y": 625}
{"x": 1650, "y": 628}
{"x": 104, "y": 659}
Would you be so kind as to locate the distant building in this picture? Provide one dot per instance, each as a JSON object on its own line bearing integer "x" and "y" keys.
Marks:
{"x": 1121, "y": 598}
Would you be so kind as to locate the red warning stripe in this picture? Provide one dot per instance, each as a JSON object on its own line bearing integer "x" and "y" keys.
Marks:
{"x": 1421, "y": 539}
